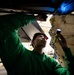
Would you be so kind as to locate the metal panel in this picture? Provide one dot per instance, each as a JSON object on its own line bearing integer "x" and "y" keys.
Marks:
{"x": 26, "y": 33}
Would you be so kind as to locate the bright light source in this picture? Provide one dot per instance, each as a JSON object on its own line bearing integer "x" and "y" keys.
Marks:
{"x": 72, "y": 12}
{"x": 66, "y": 7}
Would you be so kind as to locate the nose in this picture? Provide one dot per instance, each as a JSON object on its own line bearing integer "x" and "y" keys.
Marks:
{"x": 43, "y": 38}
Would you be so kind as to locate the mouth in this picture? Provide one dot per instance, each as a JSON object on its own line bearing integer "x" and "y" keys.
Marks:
{"x": 43, "y": 42}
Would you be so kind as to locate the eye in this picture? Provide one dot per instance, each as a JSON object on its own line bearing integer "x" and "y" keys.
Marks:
{"x": 41, "y": 36}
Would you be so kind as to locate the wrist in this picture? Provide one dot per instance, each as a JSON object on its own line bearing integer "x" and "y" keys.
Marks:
{"x": 65, "y": 47}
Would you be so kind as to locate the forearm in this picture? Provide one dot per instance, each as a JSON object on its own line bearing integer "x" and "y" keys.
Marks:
{"x": 67, "y": 52}
{"x": 69, "y": 59}
{"x": 15, "y": 21}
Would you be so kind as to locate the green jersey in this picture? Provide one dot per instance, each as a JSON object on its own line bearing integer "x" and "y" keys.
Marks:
{"x": 16, "y": 59}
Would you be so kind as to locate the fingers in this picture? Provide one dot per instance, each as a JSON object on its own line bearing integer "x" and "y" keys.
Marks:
{"x": 61, "y": 38}
{"x": 62, "y": 41}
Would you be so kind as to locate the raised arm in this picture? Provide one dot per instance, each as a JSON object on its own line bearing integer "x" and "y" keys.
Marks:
{"x": 68, "y": 54}
{"x": 11, "y": 47}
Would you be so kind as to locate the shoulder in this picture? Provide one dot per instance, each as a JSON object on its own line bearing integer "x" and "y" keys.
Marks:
{"x": 48, "y": 58}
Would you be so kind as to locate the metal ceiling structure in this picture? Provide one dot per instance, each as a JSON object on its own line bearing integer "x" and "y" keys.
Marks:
{"x": 38, "y": 6}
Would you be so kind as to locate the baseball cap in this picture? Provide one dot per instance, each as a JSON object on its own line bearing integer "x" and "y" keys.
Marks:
{"x": 36, "y": 34}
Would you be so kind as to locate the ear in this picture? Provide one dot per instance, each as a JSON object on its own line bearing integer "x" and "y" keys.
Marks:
{"x": 32, "y": 43}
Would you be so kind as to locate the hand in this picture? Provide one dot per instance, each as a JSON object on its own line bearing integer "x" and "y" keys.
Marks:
{"x": 62, "y": 41}
{"x": 41, "y": 17}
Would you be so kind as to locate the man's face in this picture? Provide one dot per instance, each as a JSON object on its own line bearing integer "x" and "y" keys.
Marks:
{"x": 39, "y": 41}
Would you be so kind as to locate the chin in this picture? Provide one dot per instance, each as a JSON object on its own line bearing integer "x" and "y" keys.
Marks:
{"x": 43, "y": 46}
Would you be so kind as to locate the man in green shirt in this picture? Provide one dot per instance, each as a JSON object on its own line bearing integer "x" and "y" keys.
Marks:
{"x": 17, "y": 60}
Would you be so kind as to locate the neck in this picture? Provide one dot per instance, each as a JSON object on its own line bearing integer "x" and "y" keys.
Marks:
{"x": 38, "y": 49}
